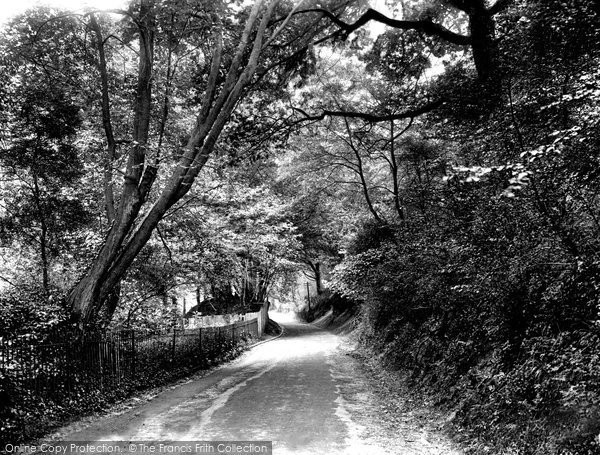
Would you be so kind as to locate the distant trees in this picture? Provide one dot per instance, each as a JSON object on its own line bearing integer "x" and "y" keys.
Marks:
{"x": 318, "y": 242}
{"x": 40, "y": 204}
{"x": 41, "y": 166}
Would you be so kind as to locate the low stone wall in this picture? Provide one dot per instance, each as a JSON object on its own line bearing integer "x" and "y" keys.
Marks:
{"x": 217, "y": 320}
{"x": 220, "y": 320}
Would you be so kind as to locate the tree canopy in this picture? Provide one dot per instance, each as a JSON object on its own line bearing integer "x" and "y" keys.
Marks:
{"x": 434, "y": 161}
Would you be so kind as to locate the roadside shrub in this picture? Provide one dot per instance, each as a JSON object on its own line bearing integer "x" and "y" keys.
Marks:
{"x": 499, "y": 328}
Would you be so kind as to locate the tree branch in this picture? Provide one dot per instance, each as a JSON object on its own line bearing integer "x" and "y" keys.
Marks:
{"x": 3, "y": 278}
{"x": 409, "y": 114}
{"x": 499, "y": 6}
{"x": 211, "y": 86}
{"x": 283, "y": 24}
{"x": 425, "y": 26}
{"x": 164, "y": 242}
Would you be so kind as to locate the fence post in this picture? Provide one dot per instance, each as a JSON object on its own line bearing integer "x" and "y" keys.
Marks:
{"x": 133, "y": 353}
{"x": 100, "y": 361}
{"x": 173, "y": 347}
{"x": 200, "y": 339}
{"x": 117, "y": 354}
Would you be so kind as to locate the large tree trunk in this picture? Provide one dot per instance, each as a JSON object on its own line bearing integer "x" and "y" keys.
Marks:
{"x": 87, "y": 297}
{"x": 131, "y": 229}
{"x": 318, "y": 278}
{"x": 315, "y": 267}
{"x": 483, "y": 42}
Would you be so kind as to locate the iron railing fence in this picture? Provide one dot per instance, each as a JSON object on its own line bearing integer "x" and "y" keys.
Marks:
{"x": 61, "y": 364}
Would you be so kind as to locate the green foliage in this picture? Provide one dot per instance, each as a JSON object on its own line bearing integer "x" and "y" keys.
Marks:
{"x": 27, "y": 310}
{"x": 42, "y": 214}
{"x": 495, "y": 332}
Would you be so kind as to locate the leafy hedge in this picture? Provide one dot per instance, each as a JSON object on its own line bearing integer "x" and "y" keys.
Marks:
{"x": 499, "y": 335}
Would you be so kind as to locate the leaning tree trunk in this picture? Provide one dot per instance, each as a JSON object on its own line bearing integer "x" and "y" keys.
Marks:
{"x": 131, "y": 229}
{"x": 86, "y": 297}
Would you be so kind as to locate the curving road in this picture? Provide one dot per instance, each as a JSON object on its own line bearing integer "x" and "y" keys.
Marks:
{"x": 300, "y": 391}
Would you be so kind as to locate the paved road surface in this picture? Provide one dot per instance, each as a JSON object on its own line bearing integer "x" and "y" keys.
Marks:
{"x": 300, "y": 391}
